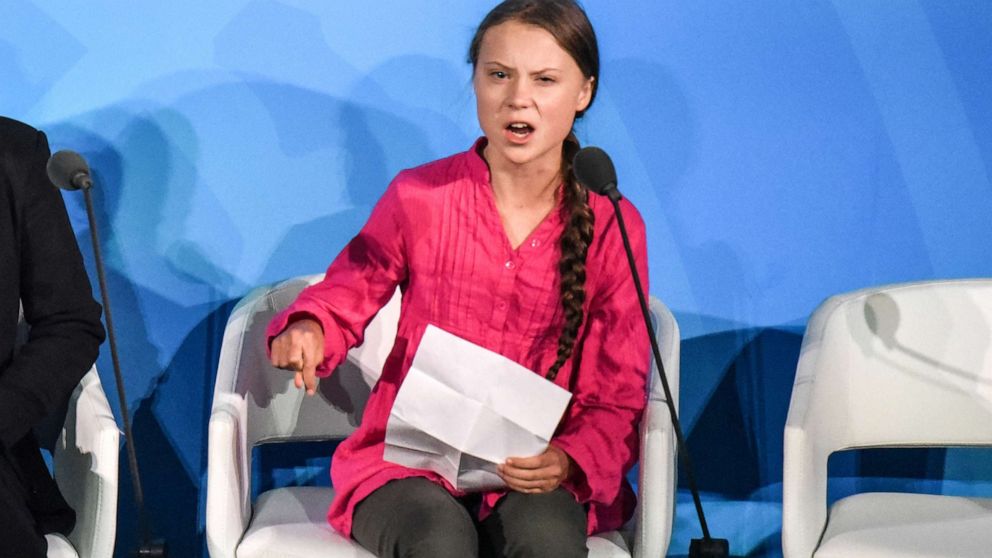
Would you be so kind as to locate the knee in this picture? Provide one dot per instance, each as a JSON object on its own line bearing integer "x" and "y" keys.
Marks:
{"x": 548, "y": 525}
{"x": 548, "y": 538}
{"x": 442, "y": 535}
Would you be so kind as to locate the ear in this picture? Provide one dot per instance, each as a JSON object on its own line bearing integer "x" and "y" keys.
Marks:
{"x": 585, "y": 95}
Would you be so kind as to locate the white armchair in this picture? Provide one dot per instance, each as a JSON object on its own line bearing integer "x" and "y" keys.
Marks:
{"x": 254, "y": 404}
{"x": 899, "y": 366}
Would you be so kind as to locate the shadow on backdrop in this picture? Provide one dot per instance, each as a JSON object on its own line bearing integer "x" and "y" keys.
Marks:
{"x": 360, "y": 138}
{"x": 137, "y": 169}
{"x": 736, "y": 441}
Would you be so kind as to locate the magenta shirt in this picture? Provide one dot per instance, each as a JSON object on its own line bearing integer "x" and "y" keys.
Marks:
{"x": 436, "y": 233}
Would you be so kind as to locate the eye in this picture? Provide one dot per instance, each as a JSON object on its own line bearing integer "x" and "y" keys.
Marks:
{"x": 546, "y": 79}
{"x": 498, "y": 74}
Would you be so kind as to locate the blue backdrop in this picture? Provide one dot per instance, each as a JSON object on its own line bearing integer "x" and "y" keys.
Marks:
{"x": 779, "y": 151}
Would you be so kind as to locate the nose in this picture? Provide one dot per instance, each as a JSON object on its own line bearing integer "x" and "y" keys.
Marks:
{"x": 520, "y": 94}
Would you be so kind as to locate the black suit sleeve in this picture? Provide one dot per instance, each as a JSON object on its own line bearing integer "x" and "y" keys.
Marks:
{"x": 66, "y": 331}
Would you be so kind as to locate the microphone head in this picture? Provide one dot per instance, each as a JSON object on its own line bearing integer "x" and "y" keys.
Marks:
{"x": 69, "y": 171}
{"x": 594, "y": 170}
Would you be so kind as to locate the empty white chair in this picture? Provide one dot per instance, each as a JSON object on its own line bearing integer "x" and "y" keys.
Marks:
{"x": 897, "y": 366}
{"x": 255, "y": 404}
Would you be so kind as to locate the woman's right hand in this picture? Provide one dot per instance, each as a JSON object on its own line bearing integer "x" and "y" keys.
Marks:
{"x": 300, "y": 348}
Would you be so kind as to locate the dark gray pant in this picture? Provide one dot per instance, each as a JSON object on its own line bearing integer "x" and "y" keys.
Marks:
{"x": 414, "y": 517}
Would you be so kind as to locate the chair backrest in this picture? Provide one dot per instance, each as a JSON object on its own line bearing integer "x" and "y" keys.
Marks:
{"x": 908, "y": 364}
{"x": 276, "y": 410}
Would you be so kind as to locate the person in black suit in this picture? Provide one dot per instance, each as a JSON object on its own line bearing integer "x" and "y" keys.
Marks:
{"x": 40, "y": 268}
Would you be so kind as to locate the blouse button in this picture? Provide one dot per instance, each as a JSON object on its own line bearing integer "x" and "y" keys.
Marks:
{"x": 510, "y": 265}
{"x": 535, "y": 243}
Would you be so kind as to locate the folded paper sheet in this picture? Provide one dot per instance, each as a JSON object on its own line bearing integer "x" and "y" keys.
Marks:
{"x": 463, "y": 409}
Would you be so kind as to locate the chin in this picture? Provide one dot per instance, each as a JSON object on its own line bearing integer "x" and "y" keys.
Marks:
{"x": 522, "y": 154}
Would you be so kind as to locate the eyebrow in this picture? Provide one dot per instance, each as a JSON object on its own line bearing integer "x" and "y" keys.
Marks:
{"x": 501, "y": 65}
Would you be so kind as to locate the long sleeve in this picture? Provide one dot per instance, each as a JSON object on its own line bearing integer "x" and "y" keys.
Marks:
{"x": 358, "y": 282}
{"x": 65, "y": 329}
{"x": 600, "y": 428}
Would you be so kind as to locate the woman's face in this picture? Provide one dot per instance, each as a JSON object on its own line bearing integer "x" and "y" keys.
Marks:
{"x": 527, "y": 91}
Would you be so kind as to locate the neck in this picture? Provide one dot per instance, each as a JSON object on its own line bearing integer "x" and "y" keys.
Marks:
{"x": 524, "y": 186}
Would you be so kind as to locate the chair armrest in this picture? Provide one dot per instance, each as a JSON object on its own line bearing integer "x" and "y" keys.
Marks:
{"x": 804, "y": 470}
{"x": 658, "y": 467}
{"x": 804, "y": 494}
{"x": 228, "y": 507}
{"x": 85, "y": 462}
{"x": 808, "y": 441}
{"x": 656, "y": 484}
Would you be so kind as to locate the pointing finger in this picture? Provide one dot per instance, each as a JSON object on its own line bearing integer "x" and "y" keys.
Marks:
{"x": 309, "y": 371}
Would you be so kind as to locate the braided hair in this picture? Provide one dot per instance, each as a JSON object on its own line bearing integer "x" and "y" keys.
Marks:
{"x": 574, "y": 244}
{"x": 568, "y": 24}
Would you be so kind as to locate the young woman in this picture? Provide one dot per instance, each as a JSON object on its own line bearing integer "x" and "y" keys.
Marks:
{"x": 500, "y": 246}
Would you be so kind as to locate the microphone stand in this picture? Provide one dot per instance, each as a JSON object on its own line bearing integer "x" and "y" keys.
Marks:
{"x": 148, "y": 548}
{"x": 707, "y": 547}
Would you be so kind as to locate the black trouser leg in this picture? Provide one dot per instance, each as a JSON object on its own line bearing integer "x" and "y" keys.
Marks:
{"x": 18, "y": 535}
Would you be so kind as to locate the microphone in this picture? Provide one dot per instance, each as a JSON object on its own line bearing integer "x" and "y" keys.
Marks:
{"x": 594, "y": 170}
{"x": 68, "y": 170}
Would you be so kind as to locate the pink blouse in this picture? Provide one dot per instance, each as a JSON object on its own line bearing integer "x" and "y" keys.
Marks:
{"x": 436, "y": 233}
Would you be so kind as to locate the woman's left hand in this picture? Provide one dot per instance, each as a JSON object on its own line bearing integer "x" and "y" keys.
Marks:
{"x": 538, "y": 474}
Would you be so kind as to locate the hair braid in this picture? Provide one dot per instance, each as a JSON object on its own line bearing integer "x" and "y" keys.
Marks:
{"x": 575, "y": 240}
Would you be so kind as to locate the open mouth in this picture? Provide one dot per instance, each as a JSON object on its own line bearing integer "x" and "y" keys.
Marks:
{"x": 520, "y": 129}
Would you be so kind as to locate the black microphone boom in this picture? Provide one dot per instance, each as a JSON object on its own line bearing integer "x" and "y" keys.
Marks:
{"x": 594, "y": 170}
{"x": 69, "y": 171}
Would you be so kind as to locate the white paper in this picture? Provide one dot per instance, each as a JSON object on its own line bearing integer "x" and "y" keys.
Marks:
{"x": 463, "y": 409}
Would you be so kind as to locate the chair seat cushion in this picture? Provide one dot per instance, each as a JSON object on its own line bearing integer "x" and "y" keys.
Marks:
{"x": 875, "y": 525}
{"x": 292, "y": 523}
{"x": 60, "y": 547}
